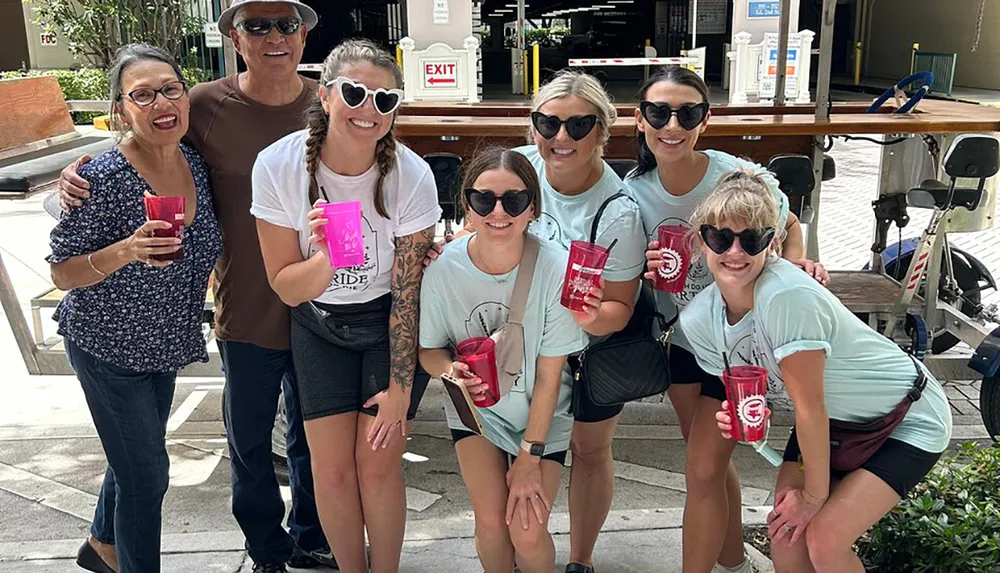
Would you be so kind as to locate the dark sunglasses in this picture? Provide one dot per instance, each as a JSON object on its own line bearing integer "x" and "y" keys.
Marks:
{"x": 577, "y": 126}
{"x": 146, "y": 96}
{"x": 657, "y": 115}
{"x": 355, "y": 93}
{"x": 484, "y": 202}
{"x": 286, "y": 26}
{"x": 752, "y": 241}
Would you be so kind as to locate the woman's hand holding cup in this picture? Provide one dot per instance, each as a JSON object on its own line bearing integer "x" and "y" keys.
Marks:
{"x": 317, "y": 224}
{"x": 474, "y": 384}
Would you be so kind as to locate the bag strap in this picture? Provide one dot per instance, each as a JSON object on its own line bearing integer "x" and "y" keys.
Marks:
{"x": 522, "y": 282}
{"x": 918, "y": 384}
{"x": 600, "y": 211}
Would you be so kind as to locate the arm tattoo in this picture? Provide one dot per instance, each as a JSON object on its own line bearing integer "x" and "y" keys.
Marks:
{"x": 407, "y": 272}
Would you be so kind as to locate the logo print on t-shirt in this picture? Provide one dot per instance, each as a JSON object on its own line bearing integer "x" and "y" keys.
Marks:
{"x": 360, "y": 277}
{"x": 546, "y": 227}
{"x": 484, "y": 320}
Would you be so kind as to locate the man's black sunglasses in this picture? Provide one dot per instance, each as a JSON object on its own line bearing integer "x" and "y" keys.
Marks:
{"x": 752, "y": 241}
{"x": 484, "y": 202}
{"x": 577, "y": 126}
{"x": 689, "y": 115}
{"x": 286, "y": 25}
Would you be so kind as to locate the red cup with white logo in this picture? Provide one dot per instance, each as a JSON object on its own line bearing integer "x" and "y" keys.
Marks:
{"x": 583, "y": 271}
{"x": 674, "y": 259}
{"x": 746, "y": 390}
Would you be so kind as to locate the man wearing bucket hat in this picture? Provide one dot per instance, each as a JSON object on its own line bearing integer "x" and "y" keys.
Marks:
{"x": 232, "y": 120}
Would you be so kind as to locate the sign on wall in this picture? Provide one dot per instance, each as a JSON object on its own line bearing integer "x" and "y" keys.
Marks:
{"x": 763, "y": 9}
{"x": 711, "y": 15}
{"x": 213, "y": 37}
{"x": 47, "y": 39}
{"x": 440, "y": 11}
{"x": 440, "y": 73}
{"x": 769, "y": 81}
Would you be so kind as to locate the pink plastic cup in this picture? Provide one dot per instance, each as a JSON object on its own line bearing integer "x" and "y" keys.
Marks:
{"x": 746, "y": 393}
{"x": 479, "y": 354}
{"x": 171, "y": 210}
{"x": 674, "y": 259}
{"x": 583, "y": 271}
{"x": 344, "y": 237}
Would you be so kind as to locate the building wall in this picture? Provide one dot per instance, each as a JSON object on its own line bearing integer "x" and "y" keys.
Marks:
{"x": 423, "y": 30}
{"x": 45, "y": 57}
{"x": 938, "y": 26}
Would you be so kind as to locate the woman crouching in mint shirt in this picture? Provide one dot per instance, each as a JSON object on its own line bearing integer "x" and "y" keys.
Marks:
{"x": 672, "y": 179}
{"x": 835, "y": 369}
{"x": 467, "y": 293}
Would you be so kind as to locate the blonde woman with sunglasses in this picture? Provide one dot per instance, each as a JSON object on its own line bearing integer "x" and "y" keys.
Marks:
{"x": 354, "y": 329}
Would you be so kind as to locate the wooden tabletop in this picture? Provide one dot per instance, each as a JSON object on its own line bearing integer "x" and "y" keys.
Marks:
{"x": 932, "y": 117}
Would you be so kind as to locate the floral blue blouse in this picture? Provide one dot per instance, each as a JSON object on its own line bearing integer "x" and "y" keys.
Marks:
{"x": 140, "y": 318}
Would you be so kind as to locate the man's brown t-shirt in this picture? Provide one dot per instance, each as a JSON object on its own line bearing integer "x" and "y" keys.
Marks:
{"x": 230, "y": 129}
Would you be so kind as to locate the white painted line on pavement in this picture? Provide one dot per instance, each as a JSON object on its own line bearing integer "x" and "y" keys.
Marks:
{"x": 190, "y": 466}
{"x": 187, "y": 407}
{"x": 49, "y": 493}
{"x": 211, "y": 387}
{"x": 418, "y": 500}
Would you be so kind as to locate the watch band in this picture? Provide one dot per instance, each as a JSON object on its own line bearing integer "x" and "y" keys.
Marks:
{"x": 536, "y": 449}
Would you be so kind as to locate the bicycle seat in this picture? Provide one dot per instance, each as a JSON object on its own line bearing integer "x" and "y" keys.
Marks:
{"x": 794, "y": 174}
{"x": 932, "y": 194}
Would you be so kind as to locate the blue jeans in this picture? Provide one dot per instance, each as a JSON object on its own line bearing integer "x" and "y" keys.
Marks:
{"x": 254, "y": 378}
{"x": 130, "y": 411}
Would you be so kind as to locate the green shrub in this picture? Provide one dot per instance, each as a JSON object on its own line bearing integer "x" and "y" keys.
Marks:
{"x": 950, "y": 523}
{"x": 92, "y": 83}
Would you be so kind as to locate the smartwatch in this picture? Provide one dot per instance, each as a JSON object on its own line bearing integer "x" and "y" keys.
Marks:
{"x": 536, "y": 449}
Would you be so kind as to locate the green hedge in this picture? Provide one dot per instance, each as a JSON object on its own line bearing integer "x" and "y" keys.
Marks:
{"x": 92, "y": 83}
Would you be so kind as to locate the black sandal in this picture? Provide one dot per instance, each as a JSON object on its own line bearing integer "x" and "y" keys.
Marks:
{"x": 88, "y": 558}
{"x": 578, "y": 568}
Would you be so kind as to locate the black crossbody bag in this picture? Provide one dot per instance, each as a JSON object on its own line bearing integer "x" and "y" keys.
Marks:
{"x": 632, "y": 363}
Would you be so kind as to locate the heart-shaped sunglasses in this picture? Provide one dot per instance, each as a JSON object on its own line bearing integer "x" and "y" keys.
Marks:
{"x": 355, "y": 93}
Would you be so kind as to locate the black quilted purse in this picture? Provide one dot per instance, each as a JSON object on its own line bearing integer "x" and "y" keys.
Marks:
{"x": 632, "y": 363}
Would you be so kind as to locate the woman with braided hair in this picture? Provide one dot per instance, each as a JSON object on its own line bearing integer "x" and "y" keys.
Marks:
{"x": 354, "y": 330}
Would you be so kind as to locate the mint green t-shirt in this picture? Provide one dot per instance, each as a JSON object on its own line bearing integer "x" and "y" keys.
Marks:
{"x": 459, "y": 301}
{"x": 568, "y": 218}
{"x": 661, "y": 208}
{"x": 866, "y": 375}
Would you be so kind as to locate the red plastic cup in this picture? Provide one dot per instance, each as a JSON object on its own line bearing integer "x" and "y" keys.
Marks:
{"x": 746, "y": 392}
{"x": 344, "y": 237}
{"x": 674, "y": 259}
{"x": 583, "y": 271}
{"x": 171, "y": 210}
{"x": 479, "y": 354}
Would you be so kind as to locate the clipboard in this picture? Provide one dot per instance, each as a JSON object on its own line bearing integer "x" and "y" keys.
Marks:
{"x": 462, "y": 400}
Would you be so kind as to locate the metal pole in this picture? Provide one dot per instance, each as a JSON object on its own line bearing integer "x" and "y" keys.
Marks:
{"x": 15, "y": 316}
{"x": 694, "y": 24}
{"x": 783, "y": 25}
{"x": 822, "y": 115}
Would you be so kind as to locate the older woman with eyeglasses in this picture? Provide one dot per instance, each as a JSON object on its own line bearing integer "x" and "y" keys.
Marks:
{"x": 132, "y": 316}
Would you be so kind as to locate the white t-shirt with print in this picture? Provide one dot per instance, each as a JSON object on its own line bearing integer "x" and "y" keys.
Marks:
{"x": 281, "y": 197}
{"x": 658, "y": 208}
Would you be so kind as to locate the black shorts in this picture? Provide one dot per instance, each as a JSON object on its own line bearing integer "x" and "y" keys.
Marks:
{"x": 584, "y": 410}
{"x": 897, "y": 463}
{"x": 557, "y": 457}
{"x": 341, "y": 357}
{"x": 684, "y": 369}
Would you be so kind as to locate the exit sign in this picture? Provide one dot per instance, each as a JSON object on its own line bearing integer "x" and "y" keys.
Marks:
{"x": 440, "y": 73}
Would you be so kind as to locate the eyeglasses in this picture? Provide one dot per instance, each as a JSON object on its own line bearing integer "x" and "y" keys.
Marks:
{"x": 355, "y": 93}
{"x": 146, "y": 96}
{"x": 484, "y": 202}
{"x": 752, "y": 241}
{"x": 286, "y": 25}
{"x": 657, "y": 115}
{"x": 577, "y": 126}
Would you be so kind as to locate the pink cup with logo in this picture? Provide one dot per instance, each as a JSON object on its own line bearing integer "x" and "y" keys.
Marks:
{"x": 746, "y": 394}
{"x": 479, "y": 354}
{"x": 583, "y": 271}
{"x": 344, "y": 237}
{"x": 171, "y": 210}
{"x": 674, "y": 259}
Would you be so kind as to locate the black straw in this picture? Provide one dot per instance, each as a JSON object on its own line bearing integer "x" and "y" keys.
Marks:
{"x": 612, "y": 245}
{"x": 725, "y": 361}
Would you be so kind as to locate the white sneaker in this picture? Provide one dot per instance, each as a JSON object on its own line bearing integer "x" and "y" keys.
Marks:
{"x": 746, "y": 567}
